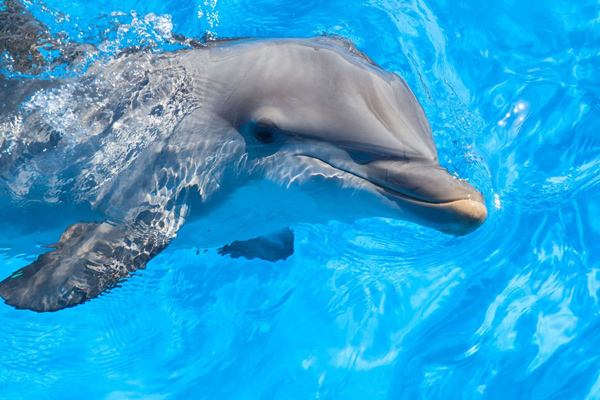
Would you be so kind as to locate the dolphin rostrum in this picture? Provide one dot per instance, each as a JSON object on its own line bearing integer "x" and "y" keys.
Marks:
{"x": 247, "y": 136}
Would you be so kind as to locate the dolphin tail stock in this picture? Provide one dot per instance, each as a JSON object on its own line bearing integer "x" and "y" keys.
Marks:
{"x": 24, "y": 40}
{"x": 21, "y": 35}
{"x": 89, "y": 259}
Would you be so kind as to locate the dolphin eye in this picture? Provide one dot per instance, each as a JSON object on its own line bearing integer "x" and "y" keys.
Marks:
{"x": 265, "y": 130}
{"x": 265, "y": 135}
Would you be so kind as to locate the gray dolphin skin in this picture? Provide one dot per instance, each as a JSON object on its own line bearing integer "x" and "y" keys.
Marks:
{"x": 245, "y": 137}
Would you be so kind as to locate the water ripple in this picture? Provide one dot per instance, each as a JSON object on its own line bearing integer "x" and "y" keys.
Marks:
{"x": 379, "y": 308}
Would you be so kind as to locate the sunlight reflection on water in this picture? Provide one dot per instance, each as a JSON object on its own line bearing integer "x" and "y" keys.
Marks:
{"x": 380, "y": 308}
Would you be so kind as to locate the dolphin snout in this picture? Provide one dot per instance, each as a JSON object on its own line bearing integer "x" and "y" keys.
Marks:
{"x": 432, "y": 195}
{"x": 430, "y": 183}
{"x": 464, "y": 217}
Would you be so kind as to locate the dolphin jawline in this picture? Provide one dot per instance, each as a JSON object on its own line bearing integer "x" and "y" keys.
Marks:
{"x": 457, "y": 217}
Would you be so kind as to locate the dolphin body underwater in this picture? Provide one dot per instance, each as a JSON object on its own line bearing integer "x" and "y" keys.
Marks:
{"x": 303, "y": 130}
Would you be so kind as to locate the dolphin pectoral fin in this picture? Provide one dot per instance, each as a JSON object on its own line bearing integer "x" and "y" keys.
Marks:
{"x": 272, "y": 247}
{"x": 89, "y": 259}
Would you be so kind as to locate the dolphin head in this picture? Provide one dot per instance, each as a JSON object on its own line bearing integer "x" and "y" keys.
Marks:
{"x": 339, "y": 115}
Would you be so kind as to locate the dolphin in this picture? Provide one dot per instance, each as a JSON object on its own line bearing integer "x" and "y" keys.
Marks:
{"x": 246, "y": 136}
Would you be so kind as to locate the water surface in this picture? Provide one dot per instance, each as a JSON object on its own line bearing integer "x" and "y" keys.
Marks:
{"x": 379, "y": 309}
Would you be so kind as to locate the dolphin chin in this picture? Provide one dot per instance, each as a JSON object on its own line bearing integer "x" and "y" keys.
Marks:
{"x": 423, "y": 191}
{"x": 457, "y": 217}
{"x": 436, "y": 198}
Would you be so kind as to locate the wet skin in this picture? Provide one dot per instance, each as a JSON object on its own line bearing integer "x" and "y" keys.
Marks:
{"x": 310, "y": 127}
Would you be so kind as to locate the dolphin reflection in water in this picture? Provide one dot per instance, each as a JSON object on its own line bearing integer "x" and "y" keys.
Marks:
{"x": 306, "y": 130}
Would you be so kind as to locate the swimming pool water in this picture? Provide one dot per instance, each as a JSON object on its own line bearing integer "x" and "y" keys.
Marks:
{"x": 379, "y": 309}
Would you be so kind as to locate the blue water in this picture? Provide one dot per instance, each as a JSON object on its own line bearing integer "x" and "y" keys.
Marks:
{"x": 379, "y": 309}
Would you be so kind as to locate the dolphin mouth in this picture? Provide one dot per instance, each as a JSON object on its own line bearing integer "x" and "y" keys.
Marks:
{"x": 445, "y": 202}
{"x": 455, "y": 217}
